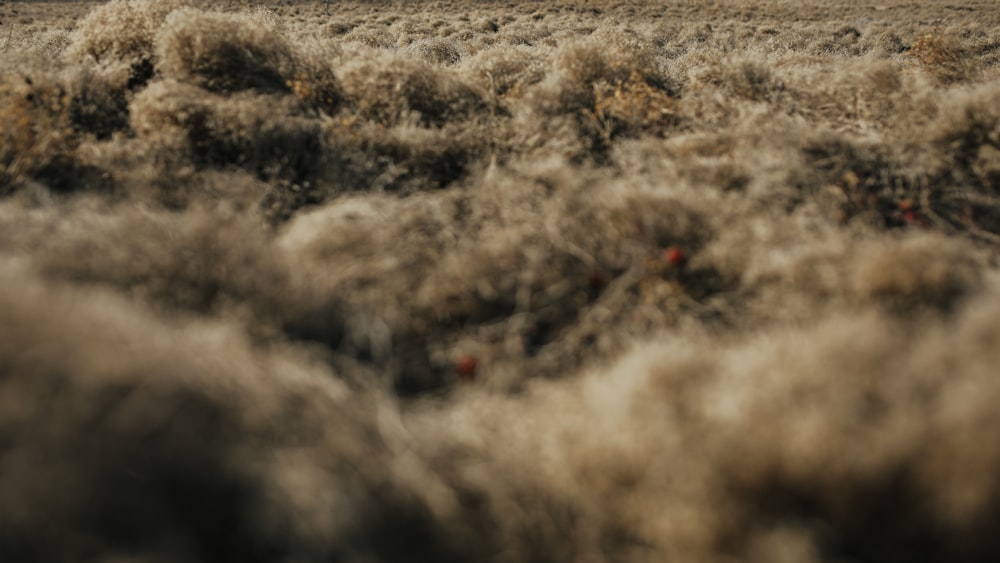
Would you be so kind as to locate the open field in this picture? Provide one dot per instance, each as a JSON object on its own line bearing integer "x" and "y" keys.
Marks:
{"x": 584, "y": 281}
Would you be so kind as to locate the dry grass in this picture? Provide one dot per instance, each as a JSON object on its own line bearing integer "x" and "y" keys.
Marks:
{"x": 381, "y": 281}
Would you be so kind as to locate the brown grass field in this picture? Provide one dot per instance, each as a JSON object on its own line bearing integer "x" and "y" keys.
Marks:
{"x": 697, "y": 282}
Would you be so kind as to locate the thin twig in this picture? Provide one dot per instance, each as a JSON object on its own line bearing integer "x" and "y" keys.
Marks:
{"x": 928, "y": 210}
{"x": 974, "y": 197}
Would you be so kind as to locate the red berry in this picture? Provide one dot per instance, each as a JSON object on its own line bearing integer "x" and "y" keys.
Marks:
{"x": 912, "y": 218}
{"x": 595, "y": 280}
{"x": 674, "y": 256}
{"x": 465, "y": 367}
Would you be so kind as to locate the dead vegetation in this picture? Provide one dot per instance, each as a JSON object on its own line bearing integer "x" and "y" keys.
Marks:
{"x": 624, "y": 281}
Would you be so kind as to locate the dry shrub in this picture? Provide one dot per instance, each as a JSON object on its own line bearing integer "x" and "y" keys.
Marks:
{"x": 882, "y": 78}
{"x": 173, "y": 412}
{"x": 846, "y": 40}
{"x": 634, "y": 105}
{"x": 492, "y": 274}
{"x": 369, "y": 228}
{"x": 373, "y": 38}
{"x": 223, "y": 53}
{"x": 889, "y": 43}
{"x": 864, "y": 181}
{"x": 921, "y": 270}
{"x": 37, "y": 140}
{"x": 748, "y": 79}
{"x": 228, "y": 53}
{"x": 943, "y": 56}
{"x": 858, "y": 95}
{"x": 588, "y": 62}
{"x": 437, "y": 50}
{"x": 671, "y": 452}
{"x": 986, "y": 168}
{"x": 523, "y": 273}
{"x": 266, "y": 134}
{"x": 968, "y": 121}
{"x": 340, "y": 27}
{"x": 409, "y": 157}
{"x": 911, "y": 273}
{"x": 604, "y": 60}
{"x": 603, "y": 94}
{"x": 191, "y": 261}
{"x": 403, "y": 158}
{"x": 121, "y": 33}
{"x": 674, "y": 451}
{"x": 505, "y": 71}
{"x": 387, "y": 88}
{"x": 99, "y": 100}
{"x": 962, "y": 141}
{"x": 356, "y": 246}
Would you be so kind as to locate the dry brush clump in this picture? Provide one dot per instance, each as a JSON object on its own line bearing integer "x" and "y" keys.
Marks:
{"x": 228, "y": 53}
{"x": 172, "y": 262}
{"x": 387, "y": 88}
{"x": 943, "y": 56}
{"x": 622, "y": 281}
{"x": 598, "y": 93}
{"x": 266, "y": 134}
{"x": 158, "y": 462}
{"x": 39, "y": 140}
{"x": 121, "y": 33}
